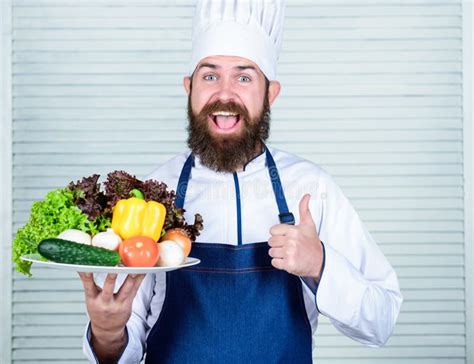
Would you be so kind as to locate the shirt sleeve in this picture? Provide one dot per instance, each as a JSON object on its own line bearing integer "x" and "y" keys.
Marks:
{"x": 358, "y": 289}
{"x": 137, "y": 326}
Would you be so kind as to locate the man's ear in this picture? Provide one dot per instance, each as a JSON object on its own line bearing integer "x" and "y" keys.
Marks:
{"x": 187, "y": 84}
{"x": 273, "y": 91}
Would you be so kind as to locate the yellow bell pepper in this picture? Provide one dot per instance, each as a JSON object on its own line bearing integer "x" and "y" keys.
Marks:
{"x": 136, "y": 217}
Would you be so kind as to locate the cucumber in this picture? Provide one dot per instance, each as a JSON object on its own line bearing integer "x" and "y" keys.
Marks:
{"x": 69, "y": 252}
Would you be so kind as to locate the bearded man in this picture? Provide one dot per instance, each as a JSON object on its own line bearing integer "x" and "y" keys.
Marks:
{"x": 265, "y": 274}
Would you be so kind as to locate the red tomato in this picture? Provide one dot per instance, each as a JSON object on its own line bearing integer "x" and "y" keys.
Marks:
{"x": 139, "y": 251}
{"x": 179, "y": 236}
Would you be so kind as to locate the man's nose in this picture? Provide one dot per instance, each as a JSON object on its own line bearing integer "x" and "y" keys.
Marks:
{"x": 226, "y": 92}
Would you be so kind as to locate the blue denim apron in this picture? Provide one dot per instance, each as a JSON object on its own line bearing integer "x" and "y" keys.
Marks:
{"x": 233, "y": 307}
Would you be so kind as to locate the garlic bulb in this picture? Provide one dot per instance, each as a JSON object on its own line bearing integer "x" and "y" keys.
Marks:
{"x": 171, "y": 254}
{"x": 76, "y": 236}
{"x": 107, "y": 239}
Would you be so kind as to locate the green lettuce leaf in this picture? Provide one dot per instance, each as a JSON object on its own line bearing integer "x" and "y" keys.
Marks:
{"x": 48, "y": 218}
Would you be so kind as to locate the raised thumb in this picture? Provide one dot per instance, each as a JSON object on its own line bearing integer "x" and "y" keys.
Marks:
{"x": 305, "y": 213}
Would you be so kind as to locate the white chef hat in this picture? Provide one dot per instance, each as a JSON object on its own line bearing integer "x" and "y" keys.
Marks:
{"x": 250, "y": 29}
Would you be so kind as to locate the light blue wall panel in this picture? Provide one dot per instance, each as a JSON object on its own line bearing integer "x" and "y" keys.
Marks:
{"x": 372, "y": 91}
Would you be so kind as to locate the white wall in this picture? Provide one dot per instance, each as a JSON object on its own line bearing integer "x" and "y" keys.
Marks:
{"x": 468, "y": 101}
{"x": 372, "y": 91}
{"x": 5, "y": 181}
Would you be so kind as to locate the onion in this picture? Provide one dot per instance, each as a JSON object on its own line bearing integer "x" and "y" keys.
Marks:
{"x": 171, "y": 254}
{"x": 107, "y": 239}
{"x": 76, "y": 236}
{"x": 179, "y": 236}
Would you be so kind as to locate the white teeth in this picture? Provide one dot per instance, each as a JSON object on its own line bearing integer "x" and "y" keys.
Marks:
{"x": 224, "y": 113}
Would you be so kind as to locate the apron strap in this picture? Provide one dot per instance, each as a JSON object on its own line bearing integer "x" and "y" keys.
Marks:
{"x": 285, "y": 216}
{"x": 183, "y": 181}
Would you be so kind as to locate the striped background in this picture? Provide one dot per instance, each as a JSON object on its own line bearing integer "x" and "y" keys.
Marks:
{"x": 372, "y": 91}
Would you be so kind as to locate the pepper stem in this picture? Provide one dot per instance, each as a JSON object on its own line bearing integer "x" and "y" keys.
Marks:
{"x": 137, "y": 193}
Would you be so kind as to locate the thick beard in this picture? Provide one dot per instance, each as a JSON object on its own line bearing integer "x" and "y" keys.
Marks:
{"x": 224, "y": 153}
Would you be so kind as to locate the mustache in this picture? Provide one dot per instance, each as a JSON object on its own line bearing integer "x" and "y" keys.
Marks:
{"x": 222, "y": 153}
{"x": 228, "y": 107}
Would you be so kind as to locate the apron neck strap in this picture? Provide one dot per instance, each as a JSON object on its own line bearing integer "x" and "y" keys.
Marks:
{"x": 183, "y": 181}
{"x": 286, "y": 217}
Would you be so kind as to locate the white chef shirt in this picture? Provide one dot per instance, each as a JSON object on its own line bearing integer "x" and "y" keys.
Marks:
{"x": 358, "y": 290}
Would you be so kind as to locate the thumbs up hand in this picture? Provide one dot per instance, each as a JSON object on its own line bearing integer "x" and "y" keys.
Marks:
{"x": 297, "y": 249}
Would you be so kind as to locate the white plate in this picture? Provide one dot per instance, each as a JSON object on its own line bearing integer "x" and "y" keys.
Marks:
{"x": 37, "y": 259}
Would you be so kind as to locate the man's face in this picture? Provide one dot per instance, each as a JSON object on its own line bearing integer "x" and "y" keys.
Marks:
{"x": 228, "y": 111}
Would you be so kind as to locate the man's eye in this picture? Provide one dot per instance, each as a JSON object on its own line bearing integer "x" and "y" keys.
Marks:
{"x": 210, "y": 77}
{"x": 244, "y": 79}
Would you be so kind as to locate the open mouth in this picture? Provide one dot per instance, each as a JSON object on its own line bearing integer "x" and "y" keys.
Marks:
{"x": 225, "y": 121}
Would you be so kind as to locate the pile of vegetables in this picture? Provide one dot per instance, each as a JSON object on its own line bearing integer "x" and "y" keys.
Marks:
{"x": 90, "y": 217}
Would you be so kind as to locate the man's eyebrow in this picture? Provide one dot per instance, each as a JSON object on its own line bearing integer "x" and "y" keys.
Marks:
{"x": 246, "y": 67}
{"x": 208, "y": 65}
